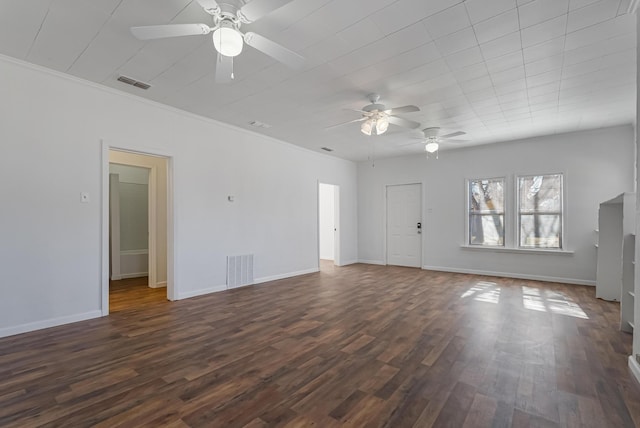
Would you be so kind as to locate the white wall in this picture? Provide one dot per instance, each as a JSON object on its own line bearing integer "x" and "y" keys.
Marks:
{"x": 326, "y": 221}
{"x": 134, "y": 212}
{"x": 597, "y": 165}
{"x": 49, "y": 119}
{"x": 633, "y": 363}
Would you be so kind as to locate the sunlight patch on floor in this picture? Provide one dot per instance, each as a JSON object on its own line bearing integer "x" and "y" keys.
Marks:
{"x": 483, "y": 291}
{"x": 551, "y": 301}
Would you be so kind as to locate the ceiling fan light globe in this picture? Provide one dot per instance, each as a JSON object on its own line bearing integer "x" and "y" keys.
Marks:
{"x": 382, "y": 125}
{"x": 431, "y": 147}
{"x": 228, "y": 41}
{"x": 367, "y": 127}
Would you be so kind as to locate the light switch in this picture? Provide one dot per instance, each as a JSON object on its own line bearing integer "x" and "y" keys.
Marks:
{"x": 84, "y": 197}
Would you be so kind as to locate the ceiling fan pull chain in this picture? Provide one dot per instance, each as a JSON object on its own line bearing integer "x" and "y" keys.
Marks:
{"x": 232, "y": 75}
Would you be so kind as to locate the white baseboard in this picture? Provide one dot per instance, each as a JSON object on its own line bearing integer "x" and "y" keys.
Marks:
{"x": 53, "y": 322}
{"x": 284, "y": 275}
{"x": 635, "y": 367}
{"x": 134, "y": 252}
{"x": 200, "y": 292}
{"x": 115, "y": 277}
{"x": 372, "y": 262}
{"x": 348, "y": 262}
{"x": 161, "y": 284}
{"x": 133, "y": 275}
{"x": 513, "y": 275}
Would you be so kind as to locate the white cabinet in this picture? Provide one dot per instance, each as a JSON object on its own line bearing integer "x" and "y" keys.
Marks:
{"x": 616, "y": 255}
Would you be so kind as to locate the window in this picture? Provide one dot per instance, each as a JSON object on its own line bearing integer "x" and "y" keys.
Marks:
{"x": 540, "y": 211}
{"x": 486, "y": 211}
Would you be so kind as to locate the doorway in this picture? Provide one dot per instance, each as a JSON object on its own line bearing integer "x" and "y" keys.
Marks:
{"x": 137, "y": 212}
{"x": 328, "y": 221}
{"x": 404, "y": 225}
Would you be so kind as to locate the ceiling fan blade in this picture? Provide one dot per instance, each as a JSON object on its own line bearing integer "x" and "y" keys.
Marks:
{"x": 453, "y": 134}
{"x": 224, "y": 69}
{"x": 413, "y": 142}
{"x": 405, "y": 123}
{"x": 346, "y": 123}
{"x": 210, "y": 6}
{"x": 358, "y": 110}
{"x": 403, "y": 109}
{"x": 274, "y": 50}
{"x": 455, "y": 141}
{"x": 256, "y": 9}
{"x": 171, "y": 30}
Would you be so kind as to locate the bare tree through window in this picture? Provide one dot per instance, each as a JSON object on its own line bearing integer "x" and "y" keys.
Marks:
{"x": 486, "y": 211}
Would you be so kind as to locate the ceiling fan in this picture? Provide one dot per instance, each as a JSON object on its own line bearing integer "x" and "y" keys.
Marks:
{"x": 377, "y": 117}
{"x": 228, "y": 41}
{"x": 432, "y": 139}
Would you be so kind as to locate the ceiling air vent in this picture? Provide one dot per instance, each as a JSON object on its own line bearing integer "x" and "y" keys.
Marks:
{"x": 326, "y": 149}
{"x": 133, "y": 82}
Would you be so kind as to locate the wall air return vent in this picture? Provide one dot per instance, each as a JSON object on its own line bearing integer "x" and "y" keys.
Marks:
{"x": 133, "y": 82}
{"x": 239, "y": 270}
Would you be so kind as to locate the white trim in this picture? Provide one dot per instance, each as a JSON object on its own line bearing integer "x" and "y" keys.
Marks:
{"x": 201, "y": 291}
{"x": 127, "y": 146}
{"x": 348, "y": 262}
{"x": 52, "y": 322}
{"x": 133, "y": 252}
{"x": 285, "y": 275}
{"x": 104, "y": 243}
{"x": 160, "y": 284}
{"x": 518, "y": 250}
{"x": 134, "y": 275}
{"x": 633, "y": 6}
{"x": 635, "y": 367}
{"x": 372, "y": 262}
{"x": 513, "y": 275}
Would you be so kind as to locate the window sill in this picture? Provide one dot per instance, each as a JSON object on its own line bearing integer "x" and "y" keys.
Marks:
{"x": 518, "y": 250}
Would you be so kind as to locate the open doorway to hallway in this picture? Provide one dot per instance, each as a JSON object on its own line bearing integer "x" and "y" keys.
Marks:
{"x": 328, "y": 226}
{"x": 137, "y": 230}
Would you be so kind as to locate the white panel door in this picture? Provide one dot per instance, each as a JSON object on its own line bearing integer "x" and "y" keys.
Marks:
{"x": 404, "y": 214}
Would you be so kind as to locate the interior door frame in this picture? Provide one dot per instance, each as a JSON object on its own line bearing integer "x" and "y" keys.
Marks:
{"x": 336, "y": 222}
{"x": 104, "y": 220}
{"x": 384, "y": 219}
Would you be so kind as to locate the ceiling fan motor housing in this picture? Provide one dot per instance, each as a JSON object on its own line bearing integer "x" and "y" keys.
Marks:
{"x": 431, "y": 132}
{"x": 373, "y": 107}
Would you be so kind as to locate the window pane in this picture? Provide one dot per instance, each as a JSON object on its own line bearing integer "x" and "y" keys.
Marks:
{"x": 486, "y": 229}
{"x": 486, "y": 212}
{"x": 541, "y": 193}
{"x": 486, "y": 196}
{"x": 540, "y": 231}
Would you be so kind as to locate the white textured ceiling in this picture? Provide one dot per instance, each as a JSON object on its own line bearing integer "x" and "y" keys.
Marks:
{"x": 496, "y": 69}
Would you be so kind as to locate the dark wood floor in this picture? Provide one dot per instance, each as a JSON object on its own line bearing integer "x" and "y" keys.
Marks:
{"x": 349, "y": 346}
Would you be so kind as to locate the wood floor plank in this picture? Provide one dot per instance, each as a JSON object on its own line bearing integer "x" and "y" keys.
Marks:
{"x": 359, "y": 345}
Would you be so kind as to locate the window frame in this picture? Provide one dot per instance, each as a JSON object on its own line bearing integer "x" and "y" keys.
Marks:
{"x": 503, "y": 213}
{"x": 561, "y": 214}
